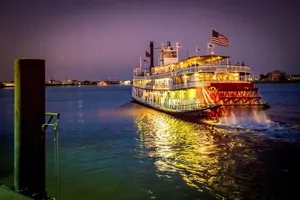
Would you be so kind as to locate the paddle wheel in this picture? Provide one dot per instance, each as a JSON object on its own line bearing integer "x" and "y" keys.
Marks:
{"x": 230, "y": 96}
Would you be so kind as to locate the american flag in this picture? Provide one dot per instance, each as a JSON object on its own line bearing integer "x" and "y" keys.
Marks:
{"x": 219, "y": 39}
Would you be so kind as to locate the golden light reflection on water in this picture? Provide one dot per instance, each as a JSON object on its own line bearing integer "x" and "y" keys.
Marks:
{"x": 204, "y": 157}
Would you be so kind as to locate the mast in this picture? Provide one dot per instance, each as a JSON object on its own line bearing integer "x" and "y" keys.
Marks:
{"x": 161, "y": 54}
{"x": 211, "y": 31}
{"x": 211, "y": 43}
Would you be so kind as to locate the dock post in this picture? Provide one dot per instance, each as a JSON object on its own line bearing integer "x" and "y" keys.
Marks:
{"x": 29, "y": 117}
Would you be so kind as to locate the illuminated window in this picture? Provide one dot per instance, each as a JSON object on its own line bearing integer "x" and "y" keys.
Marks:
{"x": 170, "y": 54}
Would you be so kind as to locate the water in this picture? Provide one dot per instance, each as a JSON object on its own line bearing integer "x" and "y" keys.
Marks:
{"x": 113, "y": 149}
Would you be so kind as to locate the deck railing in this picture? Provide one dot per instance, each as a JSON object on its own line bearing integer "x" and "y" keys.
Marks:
{"x": 193, "y": 106}
{"x": 184, "y": 85}
{"x": 194, "y": 69}
{"x": 176, "y": 108}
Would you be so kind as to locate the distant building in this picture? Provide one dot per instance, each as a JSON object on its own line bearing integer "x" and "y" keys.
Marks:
{"x": 276, "y": 76}
{"x": 126, "y": 82}
{"x": 294, "y": 77}
{"x": 101, "y": 83}
{"x": 9, "y": 84}
{"x": 53, "y": 82}
{"x": 71, "y": 82}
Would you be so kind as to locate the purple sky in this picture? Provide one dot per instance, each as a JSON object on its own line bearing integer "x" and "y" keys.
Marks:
{"x": 89, "y": 39}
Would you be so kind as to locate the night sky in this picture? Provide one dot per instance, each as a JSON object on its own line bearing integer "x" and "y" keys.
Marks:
{"x": 94, "y": 40}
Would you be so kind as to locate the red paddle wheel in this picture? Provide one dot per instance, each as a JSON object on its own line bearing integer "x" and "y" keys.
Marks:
{"x": 214, "y": 98}
{"x": 230, "y": 96}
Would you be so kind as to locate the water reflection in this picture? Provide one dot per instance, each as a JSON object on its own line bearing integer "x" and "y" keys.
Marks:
{"x": 6, "y": 136}
{"x": 205, "y": 158}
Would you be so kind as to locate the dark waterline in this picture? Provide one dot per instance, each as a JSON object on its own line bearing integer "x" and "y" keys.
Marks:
{"x": 113, "y": 149}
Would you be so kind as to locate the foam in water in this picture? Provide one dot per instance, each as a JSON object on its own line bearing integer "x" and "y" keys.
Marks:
{"x": 246, "y": 119}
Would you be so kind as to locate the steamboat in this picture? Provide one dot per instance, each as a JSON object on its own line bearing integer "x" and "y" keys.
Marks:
{"x": 207, "y": 87}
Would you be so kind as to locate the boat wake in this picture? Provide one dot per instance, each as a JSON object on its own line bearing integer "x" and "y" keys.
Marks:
{"x": 243, "y": 119}
{"x": 258, "y": 121}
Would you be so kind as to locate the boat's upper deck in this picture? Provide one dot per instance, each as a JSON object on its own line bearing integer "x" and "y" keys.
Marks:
{"x": 190, "y": 62}
{"x": 205, "y": 64}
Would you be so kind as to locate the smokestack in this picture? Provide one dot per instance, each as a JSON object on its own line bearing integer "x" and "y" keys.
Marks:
{"x": 151, "y": 55}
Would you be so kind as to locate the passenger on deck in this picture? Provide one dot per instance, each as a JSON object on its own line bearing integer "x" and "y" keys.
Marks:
{"x": 243, "y": 64}
{"x": 238, "y": 63}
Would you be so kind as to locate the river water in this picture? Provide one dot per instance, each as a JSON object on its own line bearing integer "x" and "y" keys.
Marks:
{"x": 110, "y": 148}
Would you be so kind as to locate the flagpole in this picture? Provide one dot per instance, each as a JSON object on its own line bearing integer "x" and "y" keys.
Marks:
{"x": 140, "y": 62}
{"x": 211, "y": 42}
{"x": 207, "y": 48}
{"x": 211, "y": 31}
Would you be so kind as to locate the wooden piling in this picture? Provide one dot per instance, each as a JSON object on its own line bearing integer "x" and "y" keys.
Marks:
{"x": 29, "y": 114}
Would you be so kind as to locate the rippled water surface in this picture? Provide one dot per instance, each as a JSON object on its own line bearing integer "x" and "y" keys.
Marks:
{"x": 111, "y": 148}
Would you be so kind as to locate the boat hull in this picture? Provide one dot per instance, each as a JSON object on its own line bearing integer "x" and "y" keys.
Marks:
{"x": 203, "y": 115}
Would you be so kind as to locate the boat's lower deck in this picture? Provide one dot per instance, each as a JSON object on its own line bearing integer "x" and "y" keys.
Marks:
{"x": 209, "y": 102}
{"x": 211, "y": 112}
{"x": 175, "y": 108}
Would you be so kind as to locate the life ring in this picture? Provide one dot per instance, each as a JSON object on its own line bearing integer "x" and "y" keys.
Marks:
{"x": 213, "y": 94}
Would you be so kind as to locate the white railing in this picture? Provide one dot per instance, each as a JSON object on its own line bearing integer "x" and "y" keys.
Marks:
{"x": 185, "y": 85}
{"x": 175, "y": 108}
{"x": 231, "y": 81}
{"x": 203, "y": 69}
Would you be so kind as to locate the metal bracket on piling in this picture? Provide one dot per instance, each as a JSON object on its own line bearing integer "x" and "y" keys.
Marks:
{"x": 55, "y": 127}
{"x": 55, "y": 124}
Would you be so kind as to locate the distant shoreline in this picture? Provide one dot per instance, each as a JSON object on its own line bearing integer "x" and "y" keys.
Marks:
{"x": 275, "y": 82}
{"x": 62, "y": 85}
{"x": 254, "y": 82}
